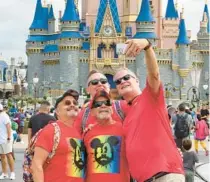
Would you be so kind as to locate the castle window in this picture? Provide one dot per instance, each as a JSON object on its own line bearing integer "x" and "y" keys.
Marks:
{"x": 33, "y": 42}
{"x": 41, "y": 30}
{"x": 69, "y": 21}
{"x": 42, "y": 43}
{"x": 69, "y": 38}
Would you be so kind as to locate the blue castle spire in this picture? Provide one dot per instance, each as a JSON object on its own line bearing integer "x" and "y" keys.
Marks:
{"x": 145, "y": 14}
{"x": 182, "y": 38}
{"x": 171, "y": 11}
{"x": 71, "y": 13}
{"x": 101, "y": 13}
{"x": 39, "y": 21}
{"x": 51, "y": 14}
{"x": 206, "y": 10}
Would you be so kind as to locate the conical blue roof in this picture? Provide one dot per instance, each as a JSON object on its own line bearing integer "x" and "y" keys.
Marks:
{"x": 51, "y": 14}
{"x": 171, "y": 11}
{"x": 145, "y": 14}
{"x": 182, "y": 38}
{"x": 39, "y": 21}
{"x": 206, "y": 10}
{"x": 71, "y": 13}
{"x": 114, "y": 13}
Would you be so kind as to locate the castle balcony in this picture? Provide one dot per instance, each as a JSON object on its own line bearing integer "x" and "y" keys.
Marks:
{"x": 108, "y": 61}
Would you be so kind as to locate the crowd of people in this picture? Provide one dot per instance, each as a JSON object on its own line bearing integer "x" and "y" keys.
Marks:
{"x": 133, "y": 139}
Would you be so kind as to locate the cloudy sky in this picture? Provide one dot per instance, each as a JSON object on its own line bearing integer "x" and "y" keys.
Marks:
{"x": 17, "y": 15}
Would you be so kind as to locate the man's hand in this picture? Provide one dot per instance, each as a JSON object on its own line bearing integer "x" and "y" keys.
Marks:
{"x": 135, "y": 46}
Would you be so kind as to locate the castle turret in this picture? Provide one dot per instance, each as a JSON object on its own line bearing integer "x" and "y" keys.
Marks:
{"x": 206, "y": 11}
{"x": 170, "y": 26}
{"x": 70, "y": 44}
{"x": 183, "y": 55}
{"x": 36, "y": 42}
{"x": 51, "y": 20}
{"x": 203, "y": 47}
{"x": 145, "y": 27}
{"x": 39, "y": 24}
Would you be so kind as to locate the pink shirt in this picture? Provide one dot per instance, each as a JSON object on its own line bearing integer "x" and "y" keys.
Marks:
{"x": 200, "y": 128}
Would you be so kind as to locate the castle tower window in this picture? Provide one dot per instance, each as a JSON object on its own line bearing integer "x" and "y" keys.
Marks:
{"x": 41, "y": 30}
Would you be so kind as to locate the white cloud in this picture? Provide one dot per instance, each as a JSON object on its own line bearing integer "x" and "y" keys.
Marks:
{"x": 16, "y": 17}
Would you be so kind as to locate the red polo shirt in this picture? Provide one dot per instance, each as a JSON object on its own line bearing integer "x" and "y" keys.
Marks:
{"x": 150, "y": 147}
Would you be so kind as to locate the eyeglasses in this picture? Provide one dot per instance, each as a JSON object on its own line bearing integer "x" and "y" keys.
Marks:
{"x": 97, "y": 104}
{"x": 125, "y": 78}
{"x": 68, "y": 102}
{"x": 96, "y": 81}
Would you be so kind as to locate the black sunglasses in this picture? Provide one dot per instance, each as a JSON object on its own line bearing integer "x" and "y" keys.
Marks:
{"x": 125, "y": 78}
{"x": 96, "y": 81}
{"x": 97, "y": 104}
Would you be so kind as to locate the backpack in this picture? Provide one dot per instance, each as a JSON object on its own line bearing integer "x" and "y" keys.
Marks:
{"x": 116, "y": 106}
{"x": 181, "y": 129}
{"x": 29, "y": 153}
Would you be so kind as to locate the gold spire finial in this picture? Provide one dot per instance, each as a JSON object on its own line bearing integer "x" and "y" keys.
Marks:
{"x": 206, "y": 1}
{"x": 92, "y": 28}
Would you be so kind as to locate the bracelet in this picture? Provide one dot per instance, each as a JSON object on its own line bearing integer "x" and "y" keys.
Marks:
{"x": 148, "y": 46}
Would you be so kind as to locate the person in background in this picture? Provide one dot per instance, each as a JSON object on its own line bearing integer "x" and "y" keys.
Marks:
{"x": 189, "y": 160}
{"x": 40, "y": 120}
{"x": 200, "y": 135}
{"x": 182, "y": 125}
{"x": 6, "y": 142}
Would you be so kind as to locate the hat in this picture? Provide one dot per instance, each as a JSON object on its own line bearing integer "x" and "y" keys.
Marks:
{"x": 1, "y": 107}
{"x": 101, "y": 93}
{"x": 69, "y": 92}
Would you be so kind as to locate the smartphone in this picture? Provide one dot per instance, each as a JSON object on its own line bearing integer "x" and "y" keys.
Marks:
{"x": 120, "y": 48}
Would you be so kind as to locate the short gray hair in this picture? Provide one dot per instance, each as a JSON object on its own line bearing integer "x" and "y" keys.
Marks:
{"x": 126, "y": 69}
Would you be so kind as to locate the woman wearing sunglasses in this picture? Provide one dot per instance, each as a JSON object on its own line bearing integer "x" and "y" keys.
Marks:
{"x": 105, "y": 145}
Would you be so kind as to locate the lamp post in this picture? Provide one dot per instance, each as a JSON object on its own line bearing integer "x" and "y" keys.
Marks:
{"x": 35, "y": 81}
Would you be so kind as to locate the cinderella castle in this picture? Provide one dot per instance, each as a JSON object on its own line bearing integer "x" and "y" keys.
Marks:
{"x": 62, "y": 58}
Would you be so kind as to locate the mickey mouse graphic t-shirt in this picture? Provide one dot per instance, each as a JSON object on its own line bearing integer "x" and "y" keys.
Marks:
{"x": 67, "y": 165}
{"x": 105, "y": 149}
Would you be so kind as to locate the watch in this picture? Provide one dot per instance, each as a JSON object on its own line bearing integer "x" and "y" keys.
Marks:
{"x": 148, "y": 46}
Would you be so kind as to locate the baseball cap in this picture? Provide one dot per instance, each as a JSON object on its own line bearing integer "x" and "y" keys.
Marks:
{"x": 1, "y": 107}
{"x": 69, "y": 92}
{"x": 101, "y": 93}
